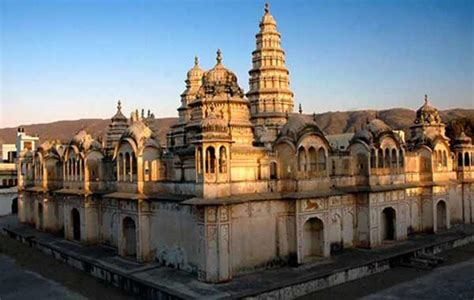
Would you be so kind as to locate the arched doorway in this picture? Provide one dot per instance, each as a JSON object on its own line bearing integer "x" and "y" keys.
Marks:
{"x": 441, "y": 215}
{"x": 388, "y": 224}
{"x": 76, "y": 224}
{"x": 130, "y": 236}
{"x": 40, "y": 215}
{"x": 14, "y": 206}
{"x": 313, "y": 238}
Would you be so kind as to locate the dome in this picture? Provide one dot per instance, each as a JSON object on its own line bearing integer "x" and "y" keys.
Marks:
{"x": 195, "y": 73}
{"x": 85, "y": 142}
{"x": 220, "y": 80}
{"x": 138, "y": 131}
{"x": 373, "y": 130}
{"x": 377, "y": 127}
{"x": 463, "y": 139}
{"x": 298, "y": 124}
{"x": 427, "y": 114}
{"x": 219, "y": 74}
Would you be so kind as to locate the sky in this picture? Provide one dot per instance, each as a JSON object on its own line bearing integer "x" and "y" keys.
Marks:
{"x": 65, "y": 59}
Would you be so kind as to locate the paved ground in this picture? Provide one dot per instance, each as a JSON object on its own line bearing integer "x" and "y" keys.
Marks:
{"x": 26, "y": 273}
{"x": 20, "y": 283}
{"x": 452, "y": 280}
{"x": 74, "y": 281}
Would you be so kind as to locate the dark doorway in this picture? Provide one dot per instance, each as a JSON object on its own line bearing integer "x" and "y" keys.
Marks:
{"x": 441, "y": 215}
{"x": 40, "y": 215}
{"x": 388, "y": 224}
{"x": 76, "y": 224}
{"x": 130, "y": 236}
{"x": 15, "y": 206}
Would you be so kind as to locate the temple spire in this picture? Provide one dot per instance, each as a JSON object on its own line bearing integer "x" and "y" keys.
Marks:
{"x": 270, "y": 96}
{"x": 426, "y": 99}
{"x": 300, "y": 109}
{"x": 119, "y": 106}
{"x": 196, "y": 61}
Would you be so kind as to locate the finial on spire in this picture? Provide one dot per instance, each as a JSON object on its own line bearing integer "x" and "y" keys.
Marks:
{"x": 196, "y": 60}
{"x": 426, "y": 99}
{"x": 267, "y": 8}
{"x": 300, "y": 109}
{"x": 219, "y": 56}
{"x": 119, "y": 105}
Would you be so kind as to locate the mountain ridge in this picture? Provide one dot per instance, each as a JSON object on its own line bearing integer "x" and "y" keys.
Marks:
{"x": 332, "y": 122}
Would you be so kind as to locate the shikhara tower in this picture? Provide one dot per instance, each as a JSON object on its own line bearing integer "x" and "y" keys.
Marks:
{"x": 269, "y": 93}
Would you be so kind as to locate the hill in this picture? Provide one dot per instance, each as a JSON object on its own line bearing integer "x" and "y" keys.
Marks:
{"x": 330, "y": 122}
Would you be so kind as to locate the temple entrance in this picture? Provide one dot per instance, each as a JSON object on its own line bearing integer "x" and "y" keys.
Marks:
{"x": 441, "y": 220}
{"x": 388, "y": 224}
{"x": 130, "y": 236}
{"x": 313, "y": 238}
{"x": 14, "y": 206}
{"x": 76, "y": 224}
{"x": 40, "y": 215}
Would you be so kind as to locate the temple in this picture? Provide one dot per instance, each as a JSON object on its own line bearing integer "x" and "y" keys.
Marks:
{"x": 242, "y": 183}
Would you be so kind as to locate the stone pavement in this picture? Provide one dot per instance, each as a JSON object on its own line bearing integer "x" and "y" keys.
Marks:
{"x": 450, "y": 282}
{"x": 103, "y": 262}
{"x": 19, "y": 283}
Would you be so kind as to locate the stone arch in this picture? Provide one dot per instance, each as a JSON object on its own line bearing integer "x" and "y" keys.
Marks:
{"x": 273, "y": 170}
{"x": 401, "y": 159}
{"x": 373, "y": 159}
{"x": 76, "y": 224}
{"x": 387, "y": 158}
{"x": 322, "y": 159}
{"x": 380, "y": 159}
{"x": 394, "y": 158}
{"x": 467, "y": 161}
{"x": 130, "y": 236}
{"x": 313, "y": 237}
{"x": 441, "y": 215}
{"x": 210, "y": 159}
{"x": 302, "y": 159}
{"x": 388, "y": 224}
{"x": 313, "y": 158}
{"x": 445, "y": 158}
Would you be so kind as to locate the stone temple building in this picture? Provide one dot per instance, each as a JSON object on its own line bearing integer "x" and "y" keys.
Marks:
{"x": 244, "y": 183}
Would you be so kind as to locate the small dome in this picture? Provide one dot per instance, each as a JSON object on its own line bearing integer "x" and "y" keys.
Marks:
{"x": 377, "y": 127}
{"x": 463, "y": 139}
{"x": 219, "y": 74}
{"x": 138, "y": 131}
{"x": 427, "y": 114}
{"x": 80, "y": 137}
{"x": 363, "y": 135}
{"x": 373, "y": 130}
{"x": 195, "y": 73}
{"x": 85, "y": 141}
{"x": 298, "y": 124}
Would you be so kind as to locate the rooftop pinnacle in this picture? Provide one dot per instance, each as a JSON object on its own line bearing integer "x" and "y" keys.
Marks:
{"x": 219, "y": 56}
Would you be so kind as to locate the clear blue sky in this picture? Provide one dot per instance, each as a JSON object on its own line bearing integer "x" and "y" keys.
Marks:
{"x": 74, "y": 59}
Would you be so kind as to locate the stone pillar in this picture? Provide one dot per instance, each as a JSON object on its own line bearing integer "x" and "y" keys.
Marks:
{"x": 140, "y": 173}
{"x": 214, "y": 244}
{"x": 144, "y": 252}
